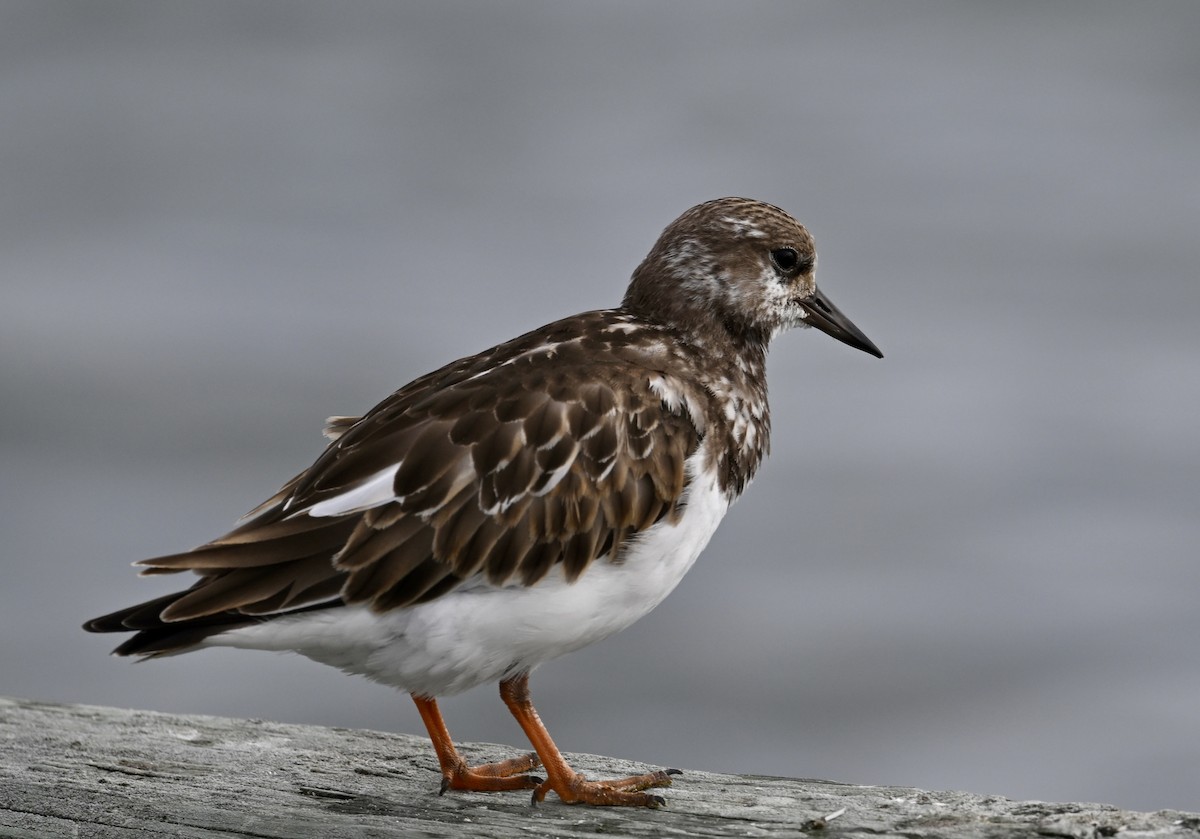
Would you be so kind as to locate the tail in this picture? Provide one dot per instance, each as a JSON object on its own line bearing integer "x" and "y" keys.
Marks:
{"x": 268, "y": 568}
{"x": 156, "y": 637}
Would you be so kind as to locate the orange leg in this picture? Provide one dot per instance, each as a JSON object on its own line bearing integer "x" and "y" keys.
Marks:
{"x": 571, "y": 786}
{"x": 456, "y": 774}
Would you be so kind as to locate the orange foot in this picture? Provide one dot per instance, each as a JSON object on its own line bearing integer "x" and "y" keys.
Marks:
{"x": 456, "y": 774}
{"x": 492, "y": 777}
{"x": 621, "y": 792}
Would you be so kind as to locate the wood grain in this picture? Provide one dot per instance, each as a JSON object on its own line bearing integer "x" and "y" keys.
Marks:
{"x": 106, "y": 773}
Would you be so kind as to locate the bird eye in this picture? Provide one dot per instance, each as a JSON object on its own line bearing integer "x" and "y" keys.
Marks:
{"x": 785, "y": 259}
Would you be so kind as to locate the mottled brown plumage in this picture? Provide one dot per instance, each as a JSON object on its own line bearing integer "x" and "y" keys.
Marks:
{"x": 477, "y": 445}
{"x": 583, "y": 443}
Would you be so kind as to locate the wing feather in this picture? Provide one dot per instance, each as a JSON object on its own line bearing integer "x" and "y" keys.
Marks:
{"x": 371, "y": 580}
{"x": 370, "y": 543}
{"x": 503, "y": 467}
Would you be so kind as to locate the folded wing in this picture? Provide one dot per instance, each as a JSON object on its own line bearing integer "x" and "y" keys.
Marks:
{"x": 473, "y": 476}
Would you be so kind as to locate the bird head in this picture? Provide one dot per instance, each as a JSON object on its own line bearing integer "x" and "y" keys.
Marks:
{"x": 747, "y": 267}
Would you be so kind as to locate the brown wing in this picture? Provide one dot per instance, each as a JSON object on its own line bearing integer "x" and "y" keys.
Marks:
{"x": 504, "y": 472}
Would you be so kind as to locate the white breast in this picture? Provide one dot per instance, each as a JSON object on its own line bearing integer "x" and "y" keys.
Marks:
{"x": 478, "y": 633}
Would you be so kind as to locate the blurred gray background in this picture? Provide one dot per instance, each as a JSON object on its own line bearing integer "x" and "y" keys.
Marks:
{"x": 970, "y": 565}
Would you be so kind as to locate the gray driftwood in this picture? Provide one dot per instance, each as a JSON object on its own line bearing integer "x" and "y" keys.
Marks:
{"x": 77, "y": 770}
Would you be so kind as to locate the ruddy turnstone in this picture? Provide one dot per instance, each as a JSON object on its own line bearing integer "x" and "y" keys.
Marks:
{"x": 520, "y": 503}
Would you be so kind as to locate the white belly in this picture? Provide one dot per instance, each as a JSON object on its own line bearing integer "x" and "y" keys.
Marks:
{"x": 479, "y": 633}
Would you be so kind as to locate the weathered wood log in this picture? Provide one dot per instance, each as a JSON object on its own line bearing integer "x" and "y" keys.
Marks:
{"x": 105, "y": 773}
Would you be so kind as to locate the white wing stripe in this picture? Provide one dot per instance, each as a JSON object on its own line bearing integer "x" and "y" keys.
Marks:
{"x": 373, "y": 492}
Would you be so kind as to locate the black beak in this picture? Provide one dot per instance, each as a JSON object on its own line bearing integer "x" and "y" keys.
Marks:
{"x": 825, "y": 316}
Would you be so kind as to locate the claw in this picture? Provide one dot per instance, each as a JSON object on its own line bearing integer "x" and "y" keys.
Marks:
{"x": 617, "y": 791}
{"x": 491, "y": 777}
{"x": 570, "y": 786}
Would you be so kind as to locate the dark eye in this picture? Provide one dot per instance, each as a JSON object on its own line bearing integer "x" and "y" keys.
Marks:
{"x": 789, "y": 262}
{"x": 785, "y": 259}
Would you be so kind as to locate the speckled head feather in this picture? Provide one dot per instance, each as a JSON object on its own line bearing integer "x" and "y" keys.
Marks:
{"x": 712, "y": 268}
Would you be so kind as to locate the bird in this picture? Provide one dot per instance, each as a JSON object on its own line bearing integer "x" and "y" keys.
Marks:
{"x": 520, "y": 503}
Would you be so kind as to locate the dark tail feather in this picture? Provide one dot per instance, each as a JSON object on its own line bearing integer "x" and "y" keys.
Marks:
{"x": 158, "y": 637}
{"x": 142, "y": 616}
{"x": 173, "y": 639}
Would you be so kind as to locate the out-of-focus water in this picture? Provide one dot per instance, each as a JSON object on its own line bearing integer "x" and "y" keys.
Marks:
{"x": 970, "y": 565}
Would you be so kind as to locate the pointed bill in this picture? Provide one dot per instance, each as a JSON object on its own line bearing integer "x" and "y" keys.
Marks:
{"x": 828, "y": 318}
